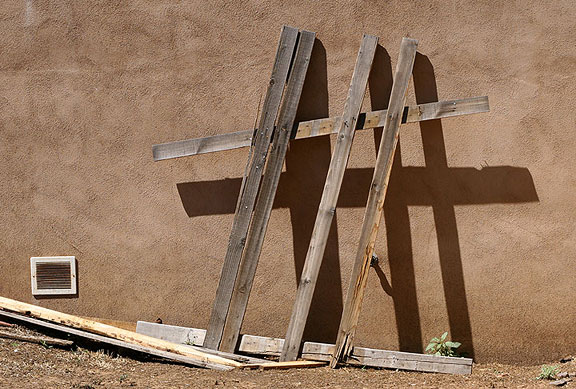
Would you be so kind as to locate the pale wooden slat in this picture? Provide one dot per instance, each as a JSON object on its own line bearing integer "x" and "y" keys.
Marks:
{"x": 375, "y": 203}
{"x": 329, "y": 198}
{"x": 262, "y": 345}
{"x": 267, "y": 193}
{"x": 286, "y": 365}
{"x": 170, "y": 333}
{"x": 113, "y": 332}
{"x": 209, "y": 144}
{"x": 247, "y": 198}
{"x": 115, "y": 342}
{"x": 410, "y": 114}
{"x": 326, "y": 126}
{"x": 400, "y": 355}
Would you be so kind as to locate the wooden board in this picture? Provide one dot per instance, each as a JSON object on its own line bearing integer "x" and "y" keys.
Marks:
{"x": 361, "y": 356}
{"x": 329, "y": 198}
{"x": 267, "y": 194}
{"x": 114, "y": 342}
{"x": 130, "y": 326}
{"x": 202, "y": 358}
{"x": 319, "y": 127}
{"x": 375, "y": 203}
{"x": 251, "y": 184}
{"x": 36, "y": 339}
{"x": 209, "y": 144}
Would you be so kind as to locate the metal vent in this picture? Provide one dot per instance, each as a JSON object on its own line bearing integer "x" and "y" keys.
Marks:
{"x": 53, "y": 275}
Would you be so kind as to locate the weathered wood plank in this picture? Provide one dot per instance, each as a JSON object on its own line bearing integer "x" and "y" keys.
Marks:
{"x": 375, "y": 203}
{"x": 267, "y": 193}
{"x": 170, "y": 333}
{"x": 262, "y": 345}
{"x": 37, "y": 339}
{"x": 329, "y": 198}
{"x": 114, "y": 342}
{"x": 319, "y": 127}
{"x": 209, "y": 144}
{"x": 113, "y": 332}
{"x": 247, "y": 198}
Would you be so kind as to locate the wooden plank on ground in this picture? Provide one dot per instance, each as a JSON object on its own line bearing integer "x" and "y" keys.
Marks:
{"x": 262, "y": 345}
{"x": 326, "y": 126}
{"x": 329, "y": 198}
{"x": 375, "y": 202}
{"x": 247, "y": 198}
{"x": 267, "y": 193}
{"x": 114, "y": 342}
{"x": 37, "y": 339}
{"x": 202, "y": 358}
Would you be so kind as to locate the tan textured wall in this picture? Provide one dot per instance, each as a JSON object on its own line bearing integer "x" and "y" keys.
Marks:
{"x": 479, "y": 236}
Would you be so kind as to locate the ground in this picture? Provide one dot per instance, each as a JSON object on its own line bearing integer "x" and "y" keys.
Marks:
{"x": 28, "y": 365}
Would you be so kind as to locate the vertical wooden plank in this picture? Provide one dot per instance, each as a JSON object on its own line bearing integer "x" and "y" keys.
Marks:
{"x": 375, "y": 202}
{"x": 329, "y": 198}
{"x": 246, "y": 202}
{"x": 267, "y": 193}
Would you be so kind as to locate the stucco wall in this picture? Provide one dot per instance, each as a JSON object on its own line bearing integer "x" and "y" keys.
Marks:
{"x": 479, "y": 234}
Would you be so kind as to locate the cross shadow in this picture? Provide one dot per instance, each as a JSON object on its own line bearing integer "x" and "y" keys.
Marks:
{"x": 434, "y": 184}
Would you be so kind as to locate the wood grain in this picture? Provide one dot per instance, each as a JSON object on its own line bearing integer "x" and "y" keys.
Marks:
{"x": 251, "y": 185}
{"x": 201, "y": 358}
{"x": 329, "y": 198}
{"x": 319, "y": 127}
{"x": 112, "y": 342}
{"x": 375, "y": 203}
{"x": 267, "y": 193}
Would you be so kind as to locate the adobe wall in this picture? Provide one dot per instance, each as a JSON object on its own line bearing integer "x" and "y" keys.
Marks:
{"x": 479, "y": 234}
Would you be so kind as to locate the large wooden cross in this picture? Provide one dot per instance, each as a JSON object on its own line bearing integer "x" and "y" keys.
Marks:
{"x": 227, "y": 300}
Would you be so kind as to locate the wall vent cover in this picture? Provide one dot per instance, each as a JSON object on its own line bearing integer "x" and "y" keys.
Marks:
{"x": 53, "y": 275}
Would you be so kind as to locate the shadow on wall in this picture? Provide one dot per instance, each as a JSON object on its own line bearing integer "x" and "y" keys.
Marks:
{"x": 434, "y": 184}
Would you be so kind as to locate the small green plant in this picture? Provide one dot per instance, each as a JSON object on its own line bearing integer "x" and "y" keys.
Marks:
{"x": 443, "y": 347}
{"x": 548, "y": 373}
{"x": 123, "y": 377}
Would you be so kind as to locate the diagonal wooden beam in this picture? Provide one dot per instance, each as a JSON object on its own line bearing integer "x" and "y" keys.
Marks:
{"x": 247, "y": 198}
{"x": 114, "y": 342}
{"x": 368, "y": 120}
{"x": 267, "y": 193}
{"x": 375, "y": 204}
{"x": 329, "y": 198}
{"x": 195, "y": 357}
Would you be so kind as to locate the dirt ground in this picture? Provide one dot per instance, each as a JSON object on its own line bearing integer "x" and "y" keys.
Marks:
{"x": 28, "y": 365}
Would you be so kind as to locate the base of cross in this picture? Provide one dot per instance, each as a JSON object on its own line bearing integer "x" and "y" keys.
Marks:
{"x": 313, "y": 351}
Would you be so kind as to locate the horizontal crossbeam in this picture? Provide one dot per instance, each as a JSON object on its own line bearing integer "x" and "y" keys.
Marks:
{"x": 313, "y": 351}
{"x": 318, "y": 127}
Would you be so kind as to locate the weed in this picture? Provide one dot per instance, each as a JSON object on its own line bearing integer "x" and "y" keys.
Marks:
{"x": 548, "y": 373}
{"x": 443, "y": 347}
{"x": 123, "y": 377}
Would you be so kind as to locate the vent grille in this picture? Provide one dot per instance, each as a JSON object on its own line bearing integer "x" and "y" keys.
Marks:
{"x": 53, "y": 275}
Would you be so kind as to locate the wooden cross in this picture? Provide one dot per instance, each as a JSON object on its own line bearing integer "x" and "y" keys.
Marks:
{"x": 319, "y": 127}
